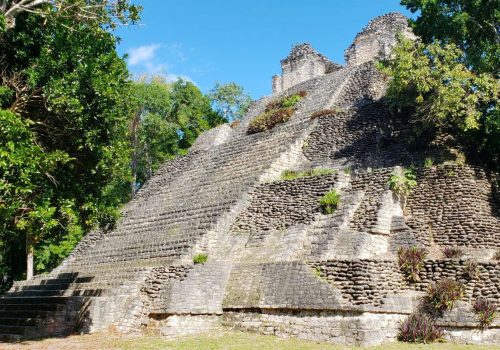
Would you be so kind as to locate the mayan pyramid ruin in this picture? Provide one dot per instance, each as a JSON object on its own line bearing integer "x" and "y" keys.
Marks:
{"x": 220, "y": 238}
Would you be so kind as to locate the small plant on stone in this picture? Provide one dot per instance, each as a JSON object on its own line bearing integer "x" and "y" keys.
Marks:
{"x": 453, "y": 252}
{"x": 419, "y": 328}
{"x": 317, "y": 272}
{"x": 329, "y": 202}
{"x": 471, "y": 269}
{"x": 305, "y": 145}
{"x": 200, "y": 258}
{"x": 411, "y": 262}
{"x": 293, "y": 174}
{"x": 443, "y": 294}
{"x": 428, "y": 162}
{"x": 401, "y": 183}
{"x": 485, "y": 310}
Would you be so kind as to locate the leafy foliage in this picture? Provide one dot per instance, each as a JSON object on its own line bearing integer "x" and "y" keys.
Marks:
{"x": 292, "y": 174}
{"x": 230, "y": 100}
{"x": 200, "y": 258}
{"x": 447, "y": 82}
{"x": 485, "y": 310}
{"x": 411, "y": 262}
{"x": 443, "y": 294}
{"x": 166, "y": 119}
{"x": 453, "y": 252}
{"x": 472, "y": 25}
{"x": 276, "y": 112}
{"x": 64, "y": 104}
{"x": 402, "y": 182}
{"x": 419, "y": 328}
{"x": 329, "y": 202}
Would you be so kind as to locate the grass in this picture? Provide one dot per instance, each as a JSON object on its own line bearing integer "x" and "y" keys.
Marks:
{"x": 292, "y": 174}
{"x": 200, "y": 258}
{"x": 223, "y": 340}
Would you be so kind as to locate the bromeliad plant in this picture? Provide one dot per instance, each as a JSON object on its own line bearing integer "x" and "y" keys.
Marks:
{"x": 419, "y": 328}
{"x": 486, "y": 311}
{"x": 443, "y": 294}
{"x": 411, "y": 262}
{"x": 453, "y": 252}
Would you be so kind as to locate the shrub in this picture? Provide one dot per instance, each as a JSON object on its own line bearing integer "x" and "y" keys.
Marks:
{"x": 276, "y": 112}
{"x": 269, "y": 120}
{"x": 419, "y": 328}
{"x": 200, "y": 258}
{"x": 453, "y": 252}
{"x": 428, "y": 162}
{"x": 402, "y": 183}
{"x": 329, "y": 202}
{"x": 443, "y": 294}
{"x": 411, "y": 261}
{"x": 471, "y": 269}
{"x": 486, "y": 311}
{"x": 292, "y": 174}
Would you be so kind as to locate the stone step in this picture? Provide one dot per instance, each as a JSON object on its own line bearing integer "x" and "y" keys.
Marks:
{"x": 32, "y": 300}
{"x": 28, "y": 307}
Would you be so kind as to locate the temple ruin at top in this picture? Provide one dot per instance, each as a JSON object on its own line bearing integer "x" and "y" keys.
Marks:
{"x": 236, "y": 233}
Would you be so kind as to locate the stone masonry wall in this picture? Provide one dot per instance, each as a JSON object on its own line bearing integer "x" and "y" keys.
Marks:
{"x": 281, "y": 204}
{"x": 458, "y": 204}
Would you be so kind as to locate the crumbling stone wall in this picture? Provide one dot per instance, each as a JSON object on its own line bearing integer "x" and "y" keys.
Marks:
{"x": 302, "y": 64}
{"x": 377, "y": 39}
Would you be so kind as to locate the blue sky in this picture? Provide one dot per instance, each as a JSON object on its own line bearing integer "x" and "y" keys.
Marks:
{"x": 240, "y": 40}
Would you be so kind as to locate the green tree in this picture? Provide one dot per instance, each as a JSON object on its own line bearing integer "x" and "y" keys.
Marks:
{"x": 167, "y": 118}
{"x": 230, "y": 100}
{"x": 99, "y": 12}
{"x": 27, "y": 185}
{"x": 66, "y": 89}
{"x": 472, "y": 25}
{"x": 447, "y": 81}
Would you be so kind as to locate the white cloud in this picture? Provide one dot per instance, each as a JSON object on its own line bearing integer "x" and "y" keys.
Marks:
{"x": 174, "y": 77}
{"x": 142, "y": 54}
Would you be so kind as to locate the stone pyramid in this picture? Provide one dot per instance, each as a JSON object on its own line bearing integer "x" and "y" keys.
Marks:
{"x": 276, "y": 263}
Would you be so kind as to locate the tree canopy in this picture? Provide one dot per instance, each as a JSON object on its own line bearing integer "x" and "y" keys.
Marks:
{"x": 76, "y": 133}
{"x": 448, "y": 78}
{"x": 230, "y": 100}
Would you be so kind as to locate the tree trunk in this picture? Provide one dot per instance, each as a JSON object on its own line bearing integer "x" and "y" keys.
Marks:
{"x": 134, "y": 130}
{"x": 29, "y": 258}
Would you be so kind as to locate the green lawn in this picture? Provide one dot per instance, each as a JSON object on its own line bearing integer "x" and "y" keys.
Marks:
{"x": 220, "y": 341}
